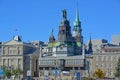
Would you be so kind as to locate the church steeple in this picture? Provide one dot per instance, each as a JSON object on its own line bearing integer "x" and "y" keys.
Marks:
{"x": 77, "y": 25}
{"x": 90, "y": 47}
{"x": 77, "y": 31}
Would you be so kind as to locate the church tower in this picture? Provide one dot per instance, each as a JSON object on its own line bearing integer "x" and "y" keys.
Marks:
{"x": 77, "y": 31}
{"x": 77, "y": 34}
{"x": 64, "y": 34}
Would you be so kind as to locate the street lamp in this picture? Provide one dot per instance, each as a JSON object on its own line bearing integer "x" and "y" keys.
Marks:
{"x": 56, "y": 71}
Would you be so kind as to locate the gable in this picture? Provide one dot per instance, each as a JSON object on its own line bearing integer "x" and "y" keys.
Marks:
{"x": 13, "y": 42}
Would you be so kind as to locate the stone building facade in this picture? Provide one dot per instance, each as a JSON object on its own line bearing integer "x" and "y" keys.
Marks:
{"x": 16, "y": 55}
{"x": 106, "y": 60}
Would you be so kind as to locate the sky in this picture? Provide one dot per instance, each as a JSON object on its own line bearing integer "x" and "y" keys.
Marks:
{"x": 34, "y": 19}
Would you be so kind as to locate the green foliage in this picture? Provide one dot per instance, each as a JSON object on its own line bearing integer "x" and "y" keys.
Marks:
{"x": 117, "y": 73}
{"x": 12, "y": 71}
{"x": 16, "y": 72}
{"x": 99, "y": 73}
{"x": 7, "y": 72}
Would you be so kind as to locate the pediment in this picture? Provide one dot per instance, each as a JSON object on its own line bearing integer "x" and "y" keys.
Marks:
{"x": 13, "y": 42}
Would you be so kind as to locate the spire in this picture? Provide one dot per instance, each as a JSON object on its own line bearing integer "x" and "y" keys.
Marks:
{"x": 77, "y": 25}
{"x": 51, "y": 38}
{"x": 51, "y": 34}
{"x": 77, "y": 21}
{"x": 90, "y": 47}
{"x": 90, "y": 43}
{"x": 77, "y": 15}
{"x": 90, "y": 39}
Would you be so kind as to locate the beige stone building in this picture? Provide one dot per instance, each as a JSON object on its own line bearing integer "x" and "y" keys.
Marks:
{"x": 106, "y": 60}
{"x": 20, "y": 55}
{"x": 105, "y": 56}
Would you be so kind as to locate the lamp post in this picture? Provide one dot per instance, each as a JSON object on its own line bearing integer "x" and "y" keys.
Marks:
{"x": 61, "y": 67}
{"x": 55, "y": 62}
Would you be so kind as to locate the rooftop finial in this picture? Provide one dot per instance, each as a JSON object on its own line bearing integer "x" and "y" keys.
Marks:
{"x": 52, "y": 32}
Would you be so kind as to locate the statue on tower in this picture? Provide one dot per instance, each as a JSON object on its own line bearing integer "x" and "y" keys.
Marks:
{"x": 64, "y": 14}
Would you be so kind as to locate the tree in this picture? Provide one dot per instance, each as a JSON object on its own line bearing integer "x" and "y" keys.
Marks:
{"x": 7, "y": 72}
{"x": 117, "y": 73}
{"x": 16, "y": 72}
{"x": 99, "y": 73}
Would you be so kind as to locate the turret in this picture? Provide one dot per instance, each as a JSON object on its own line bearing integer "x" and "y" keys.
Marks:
{"x": 51, "y": 38}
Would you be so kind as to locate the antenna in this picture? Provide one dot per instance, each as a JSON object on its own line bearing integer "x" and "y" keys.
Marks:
{"x": 16, "y": 31}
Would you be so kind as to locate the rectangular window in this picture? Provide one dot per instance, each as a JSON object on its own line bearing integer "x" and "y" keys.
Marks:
{"x": 14, "y": 51}
{"x": 19, "y": 50}
{"x": 106, "y": 58}
{"x": 106, "y": 73}
{"x": 8, "y": 62}
{"x": 106, "y": 65}
{"x": 19, "y": 63}
{"x": 111, "y": 73}
{"x": 10, "y": 51}
{"x": 111, "y": 65}
{"x": 96, "y": 58}
{"x": 96, "y": 65}
{"x": 4, "y": 61}
{"x": 111, "y": 58}
{"x": 117, "y": 57}
{"x": 102, "y": 58}
{"x": 102, "y": 65}
{"x": 4, "y": 52}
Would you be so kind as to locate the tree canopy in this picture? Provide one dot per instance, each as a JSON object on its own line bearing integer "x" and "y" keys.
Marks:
{"x": 99, "y": 73}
